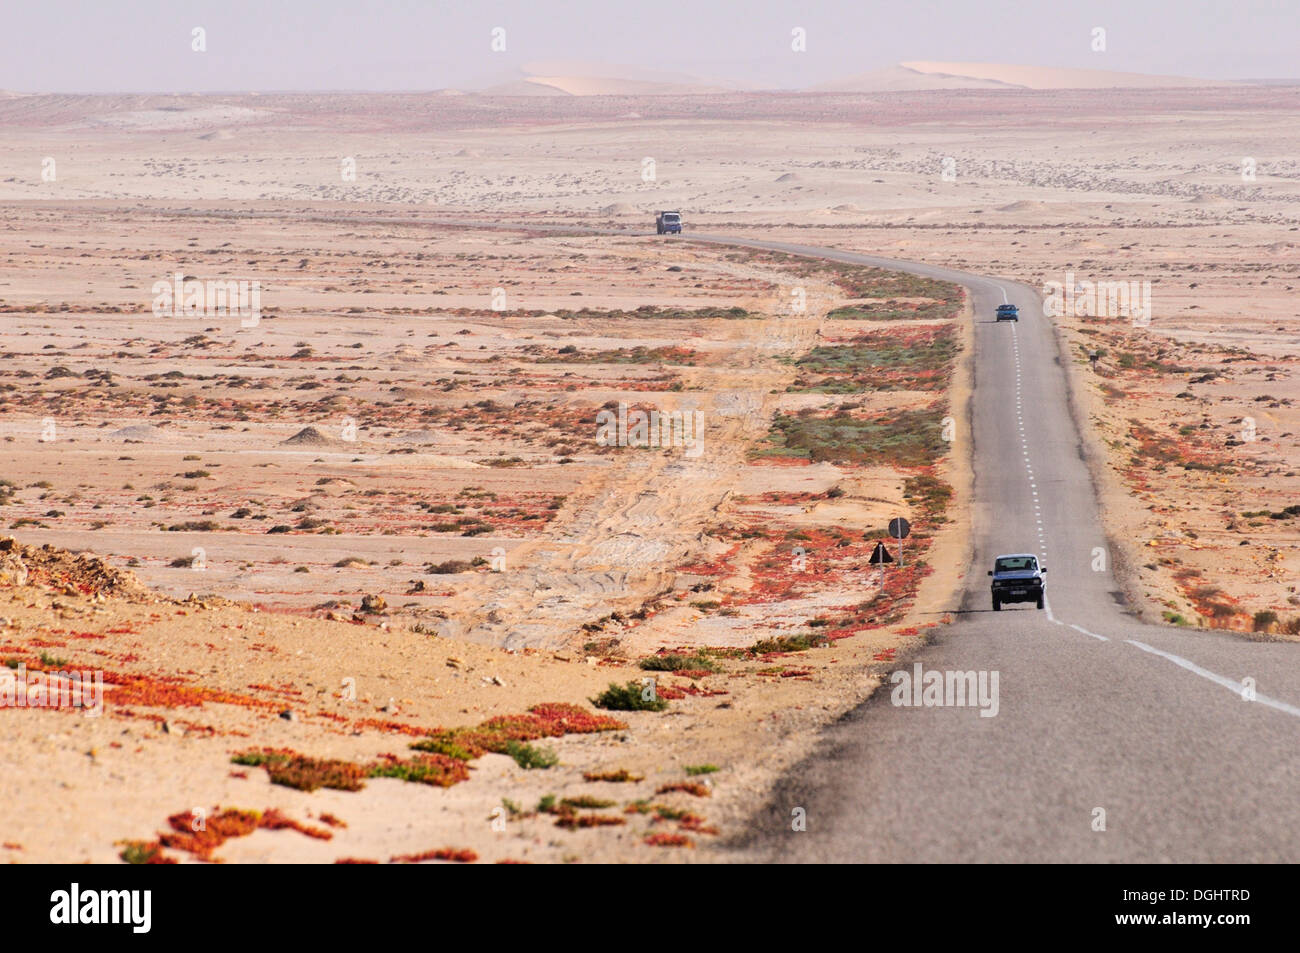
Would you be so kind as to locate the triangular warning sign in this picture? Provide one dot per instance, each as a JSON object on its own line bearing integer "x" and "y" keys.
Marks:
{"x": 880, "y": 555}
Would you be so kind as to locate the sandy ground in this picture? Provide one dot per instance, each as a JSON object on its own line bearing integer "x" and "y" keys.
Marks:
{"x": 432, "y": 410}
{"x": 467, "y": 505}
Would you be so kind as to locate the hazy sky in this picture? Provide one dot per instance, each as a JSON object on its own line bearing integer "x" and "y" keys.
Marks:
{"x": 145, "y": 45}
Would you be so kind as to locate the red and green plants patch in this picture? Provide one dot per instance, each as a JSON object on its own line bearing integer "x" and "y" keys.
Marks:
{"x": 633, "y": 696}
{"x": 576, "y": 821}
{"x": 438, "y": 770}
{"x": 550, "y": 804}
{"x": 1158, "y": 451}
{"x": 660, "y": 811}
{"x": 304, "y": 773}
{"x": 273, "y": 820}
{"x": 621, "y": 776}
{"x": 586, "y": 802}
{"x": 671, "y": 354}
{"x": 928, "y": 494}
{"x": 917, "y": 359}
{"x": 293, "y": 770}
{"x": 905, "y": 438}
{"x": 681, "y": 691}
{"x": 170, "y": 692}
{"x": 383, "y": 724}
{"x": 696, "y": 825}
{"x": 657, "y": 313}
{"x": 666, "y": 839}
{"x": 895, "y": 310}
{"x": 686, "y": 787}
{"x": 686, "y": 821}
{"x": 830, "y": 557}
{"x": 496, "y": 735}
{"x": 144, "y": 852}
{"x": 785, "y": 671}
{"x": 782, "y": 644}
{"x": 863, "y": 281}
{"x": 459, "y": 855}
{"x": 678, "y": 662}
{"x": 201, "y": 835}
{"x": 531, "y": 757}
{"x": 717, "y": 567}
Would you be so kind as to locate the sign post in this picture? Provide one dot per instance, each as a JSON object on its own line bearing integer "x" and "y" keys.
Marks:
{"x": 899, "y": 528}
{"x": 880, "y": 556}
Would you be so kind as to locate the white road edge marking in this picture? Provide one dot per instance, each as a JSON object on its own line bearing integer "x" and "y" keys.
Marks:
{"x": 1227, "y": 683}
{"x": 1079, "y": 628}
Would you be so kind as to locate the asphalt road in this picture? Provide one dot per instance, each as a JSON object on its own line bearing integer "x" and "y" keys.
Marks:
{"x": 1094, "y": 710}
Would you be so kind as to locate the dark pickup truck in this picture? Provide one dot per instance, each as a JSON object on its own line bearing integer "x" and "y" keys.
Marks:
{"x": 1018, "y": 578}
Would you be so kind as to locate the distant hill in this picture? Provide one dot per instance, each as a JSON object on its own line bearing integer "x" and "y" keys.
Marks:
{"x": 577, "y": 78}
{"x": 919, "y": 75}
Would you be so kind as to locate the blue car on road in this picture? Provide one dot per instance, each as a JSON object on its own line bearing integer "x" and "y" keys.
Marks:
{"x": 1018, "y": 577}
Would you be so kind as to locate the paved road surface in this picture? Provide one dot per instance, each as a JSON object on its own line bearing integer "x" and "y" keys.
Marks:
{"x": 1095, "y": 709}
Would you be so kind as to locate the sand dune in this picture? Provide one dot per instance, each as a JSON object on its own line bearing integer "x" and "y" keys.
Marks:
{"x": 597, "y": 86}
{"x": 904, "y": 79}
{"x": 579, "y": 78}
{"x": 1050, "y": 77}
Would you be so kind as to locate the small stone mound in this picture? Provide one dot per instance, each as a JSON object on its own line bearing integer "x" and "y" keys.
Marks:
{"x": 137, "y": 432}
{"x": 619, "y": 208}
{"x": 308, "y": 437}
{"x": 790, "y": 177}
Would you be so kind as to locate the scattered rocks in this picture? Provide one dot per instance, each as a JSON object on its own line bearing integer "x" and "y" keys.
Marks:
{"x": 68, "y": 573}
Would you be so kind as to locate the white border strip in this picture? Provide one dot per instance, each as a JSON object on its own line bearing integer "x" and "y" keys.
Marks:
{"x": 1234, "y": 687}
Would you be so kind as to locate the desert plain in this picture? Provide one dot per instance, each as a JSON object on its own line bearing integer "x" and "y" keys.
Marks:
{"x": 362, "y": 578}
